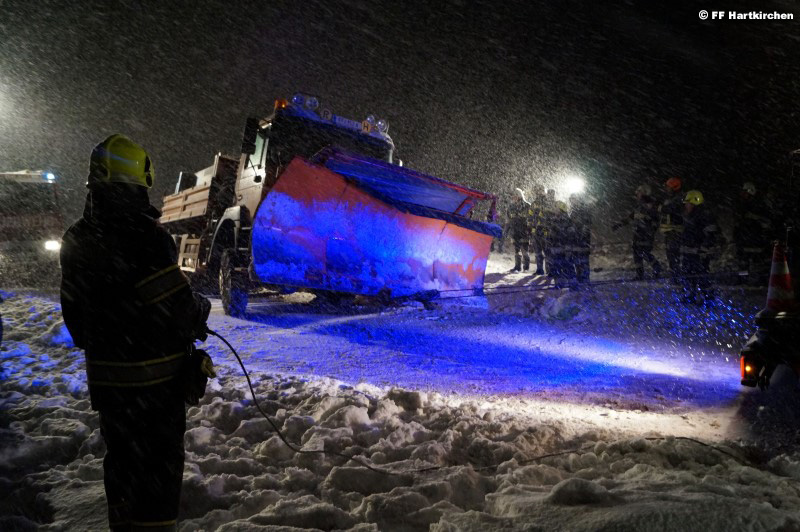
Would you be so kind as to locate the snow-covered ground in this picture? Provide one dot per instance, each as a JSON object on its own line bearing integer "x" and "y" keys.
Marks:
{"x": 635, "y": 397}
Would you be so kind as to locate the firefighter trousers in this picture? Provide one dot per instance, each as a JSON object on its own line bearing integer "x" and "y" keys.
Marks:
{"x": 696, "y": 277}
{"x": 539, "y": 250}
{"x": 672, "y": 245}
{"x": 521, "y": 257}
{"x": 754, "y": 261}
{"x": 143, "y": 466}
{"x": 642, "y": 252}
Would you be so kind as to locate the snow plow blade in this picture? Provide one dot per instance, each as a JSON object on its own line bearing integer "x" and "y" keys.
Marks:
{"x": 347, "y": 223}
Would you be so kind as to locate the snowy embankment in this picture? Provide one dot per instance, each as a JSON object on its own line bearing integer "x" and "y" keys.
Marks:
{"x": 480, "y": 395}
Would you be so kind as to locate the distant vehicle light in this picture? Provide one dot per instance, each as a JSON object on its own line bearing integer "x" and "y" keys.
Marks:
{"x": 312, "y": 103}
{"x": 298, "y": 99}
{"x": 383, "y": 125}
{"x": 50, "y": 176}
{"x": 574, "y": 185}
{"x": 370, "y": 119}
{"x": 281, "y": 104}
{"x": 52, "y": 245}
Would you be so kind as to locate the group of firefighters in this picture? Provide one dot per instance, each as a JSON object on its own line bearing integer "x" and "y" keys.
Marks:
{"x": 558, "y": 233}
{"x": 554, "y": 231}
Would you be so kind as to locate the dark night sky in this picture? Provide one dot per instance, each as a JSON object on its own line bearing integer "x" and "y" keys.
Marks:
{"x": 487, "y": 93}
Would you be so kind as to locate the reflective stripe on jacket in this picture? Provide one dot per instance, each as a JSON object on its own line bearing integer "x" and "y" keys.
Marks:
{"x": 133, "y": 374}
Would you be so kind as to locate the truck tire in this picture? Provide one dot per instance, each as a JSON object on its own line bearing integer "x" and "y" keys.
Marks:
{"x": 233, "y": 285}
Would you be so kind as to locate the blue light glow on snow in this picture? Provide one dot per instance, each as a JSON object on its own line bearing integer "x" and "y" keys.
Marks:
{"x": 480, "y": 353}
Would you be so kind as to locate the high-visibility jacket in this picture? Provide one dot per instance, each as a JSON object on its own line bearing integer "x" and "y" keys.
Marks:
{"x": 645, "y": 222}
{"x": 561, "y": 234}
{"x": 518, "y": 219}
{"x": 581, "y": 218}
{"x": 700, "y": 232}
{"x": 538, "y": 217}
{"x": 672, "y": 214}
{"x": 125, "y": 301}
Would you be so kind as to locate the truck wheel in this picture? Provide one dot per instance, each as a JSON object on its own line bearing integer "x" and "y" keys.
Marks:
{"x": 233, "y": 285}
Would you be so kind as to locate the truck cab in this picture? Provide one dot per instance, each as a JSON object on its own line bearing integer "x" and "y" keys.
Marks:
{"x": 212, "y": 210}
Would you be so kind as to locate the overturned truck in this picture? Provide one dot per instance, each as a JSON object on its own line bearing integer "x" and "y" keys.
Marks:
{"x": 316, "y": 203}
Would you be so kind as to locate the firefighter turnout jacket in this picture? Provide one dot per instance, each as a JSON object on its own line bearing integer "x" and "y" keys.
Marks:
{"x": 518, "y": 220}
{"x": 753, "y": 228}
{"x": 124, "y": 299}
{"x": 700, "y": 232}
{"x": 672, "y": 214}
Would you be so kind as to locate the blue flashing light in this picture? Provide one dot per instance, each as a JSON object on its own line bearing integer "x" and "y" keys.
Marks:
{"x": 50, "y": 176}
{"x": 312, "y": 103}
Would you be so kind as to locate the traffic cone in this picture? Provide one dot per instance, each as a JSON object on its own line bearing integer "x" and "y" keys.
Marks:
{"x": 780, "y": 296}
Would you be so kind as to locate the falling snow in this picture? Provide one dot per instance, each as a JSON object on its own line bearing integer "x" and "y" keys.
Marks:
{"x": 641, "y": 403}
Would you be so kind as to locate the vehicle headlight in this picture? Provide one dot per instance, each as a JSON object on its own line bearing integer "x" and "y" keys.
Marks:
{"x": 52, "y": 245}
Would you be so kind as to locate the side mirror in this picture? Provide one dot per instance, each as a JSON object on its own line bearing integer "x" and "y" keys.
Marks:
{"x": 249, "y": 136}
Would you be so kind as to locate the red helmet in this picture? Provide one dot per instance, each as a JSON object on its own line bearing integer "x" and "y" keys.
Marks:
{"x": 674, "y": 183}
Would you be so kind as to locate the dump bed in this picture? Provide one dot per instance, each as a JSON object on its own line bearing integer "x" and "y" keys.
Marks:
{"x": 349, "y": 223}
{"x": 201, "y": 195}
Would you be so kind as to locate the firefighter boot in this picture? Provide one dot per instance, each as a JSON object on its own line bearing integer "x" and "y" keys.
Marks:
{"x": 526, "y": 262}
{"x": 539, "y": 266}
{"x": 517, "y": 263}
{"x": 656, "y": 270}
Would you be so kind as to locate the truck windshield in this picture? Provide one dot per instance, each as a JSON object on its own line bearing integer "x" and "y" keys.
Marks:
{"x": 27, "y": 198}
{"x": 297, "y": 136}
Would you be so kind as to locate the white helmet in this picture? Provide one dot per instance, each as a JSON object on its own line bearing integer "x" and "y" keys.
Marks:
{"x": 749, "y": 187}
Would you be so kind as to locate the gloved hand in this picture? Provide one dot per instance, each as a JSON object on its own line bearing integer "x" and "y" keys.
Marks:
{"x": 207, "y": 365}
{"x": 204, "y": 306}
{"x": 197, "y": 370}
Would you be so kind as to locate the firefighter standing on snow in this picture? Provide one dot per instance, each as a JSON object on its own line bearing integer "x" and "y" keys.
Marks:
{"x": 581, "y": 218}
{"x": 700, "y": 235}
{"x": 127, "y": 304}
{"x": 539, "y": 227}
{"x": 560, "y": 237}
{"x": 645, "y": 224}
{"x": 751, "y": 235}
{"x": 672, "y": 225}
{"x": 518, "y": 214}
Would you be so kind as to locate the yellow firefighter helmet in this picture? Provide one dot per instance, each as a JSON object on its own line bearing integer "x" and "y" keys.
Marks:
{"x": 695, "y": 197}
{"x": 120, "y": 160}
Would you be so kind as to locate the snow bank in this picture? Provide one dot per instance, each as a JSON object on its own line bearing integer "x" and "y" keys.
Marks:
{"x": 445, "y": 461}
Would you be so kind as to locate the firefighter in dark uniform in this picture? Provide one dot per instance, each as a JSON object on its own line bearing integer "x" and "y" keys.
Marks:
{"x": 518, "y": 218}
{"x": 581, "y": 218}
{"x": 700, "y": 235}
{"x": 497, "y": 243}
{"x": 751, "y": 236}
{"x": 539, "y": 227}
{"x": 672, "y": 225}
{"x": 559, "y": 241}
{"x": 129, "y": 307}
{"x": 645, "y": 225}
